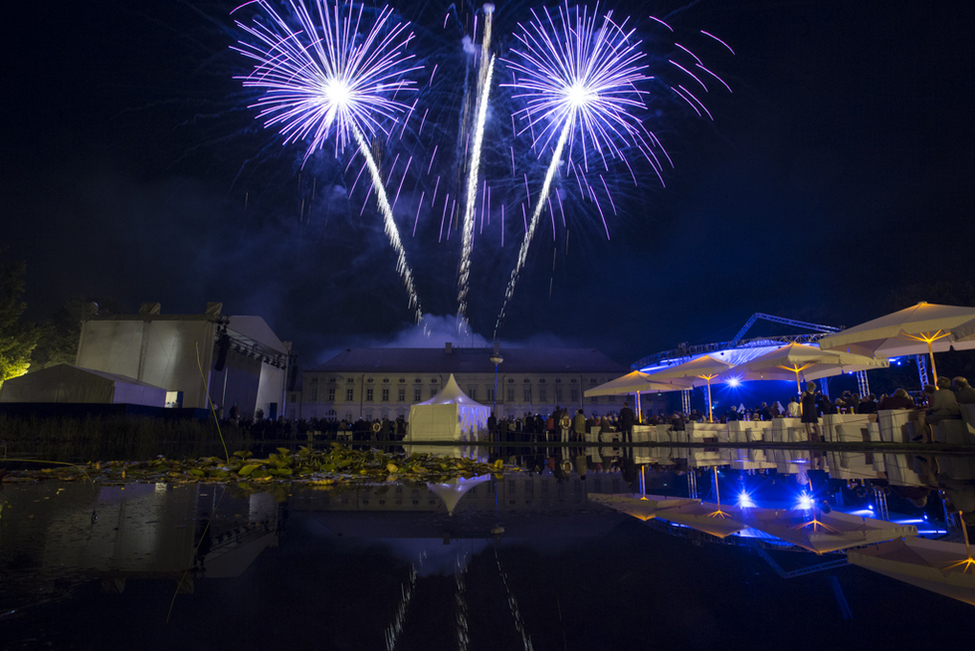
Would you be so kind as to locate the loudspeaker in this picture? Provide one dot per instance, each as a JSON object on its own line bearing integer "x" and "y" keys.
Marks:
{"x": 223, "y": 345}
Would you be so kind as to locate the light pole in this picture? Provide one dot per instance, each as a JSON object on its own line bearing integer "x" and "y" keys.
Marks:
{"x": 496, "y": 359}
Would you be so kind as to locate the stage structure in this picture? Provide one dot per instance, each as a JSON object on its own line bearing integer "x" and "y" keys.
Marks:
{"x": 740, "y": 350}
{"x": 237, "y": 358}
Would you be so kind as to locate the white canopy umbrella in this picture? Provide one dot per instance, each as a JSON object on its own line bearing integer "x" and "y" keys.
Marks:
{"x": 923, "y": 328}
{"x": 698, "y": 371}
{"x": 792, "y": 360}
{"x": 635, "y": 382}
{"x": 963, "y": 333}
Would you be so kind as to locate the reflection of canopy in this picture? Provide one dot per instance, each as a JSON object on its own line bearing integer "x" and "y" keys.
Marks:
{"x": 235, "y": 559}
{"x": 635, "y": 382}
{"x": 934, "y": 565}
{"x": 451, "y": 491}
{"x": 923, "y": 328}
{"x": 791, "y": 360}
{"x": 718, "y": 520}
{"x": 643, "y": 508}
{"x": 824, "y": 532}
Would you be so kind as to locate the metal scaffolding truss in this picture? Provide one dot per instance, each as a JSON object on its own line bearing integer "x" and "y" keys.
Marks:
{"x": 684, "y": 352}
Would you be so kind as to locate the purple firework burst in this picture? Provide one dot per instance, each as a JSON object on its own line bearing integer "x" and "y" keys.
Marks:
{"x": 585, "y": 70}
{"x": 324, "y": 75}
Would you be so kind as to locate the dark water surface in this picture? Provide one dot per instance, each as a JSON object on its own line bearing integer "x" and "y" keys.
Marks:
{"x": 526, "y": 561}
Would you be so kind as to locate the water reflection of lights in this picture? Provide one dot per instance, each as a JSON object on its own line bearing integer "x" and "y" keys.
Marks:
{"x": 513, "y": 605}
{"x": 805, "y": 501}
{"x": 394, "y": 630}
{"x": 745, "y": 500}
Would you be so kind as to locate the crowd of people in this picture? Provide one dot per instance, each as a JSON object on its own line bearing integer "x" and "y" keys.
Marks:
{"x": 938, "y": 401}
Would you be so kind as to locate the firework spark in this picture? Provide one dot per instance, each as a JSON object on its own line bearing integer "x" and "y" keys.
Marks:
{"x": 484, "y": 90}
{"x": 331, "y": 78}
{"x": 580, "y": 78}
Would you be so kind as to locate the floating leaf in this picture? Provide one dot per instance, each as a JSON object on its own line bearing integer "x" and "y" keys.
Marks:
{"x": 247, "y": 470}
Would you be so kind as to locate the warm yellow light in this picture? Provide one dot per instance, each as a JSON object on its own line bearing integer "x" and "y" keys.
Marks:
{"x": 928, "y": 337}
{"x": 816, "y": 525}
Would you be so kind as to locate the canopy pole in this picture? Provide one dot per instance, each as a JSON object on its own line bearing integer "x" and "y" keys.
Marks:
{"x": 717, "y": 490}
{"x": 710, "y": 415}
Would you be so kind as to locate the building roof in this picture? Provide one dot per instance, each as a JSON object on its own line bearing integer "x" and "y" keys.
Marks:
{"x": 250, "y": 331}
{"x": 470, "y": 360}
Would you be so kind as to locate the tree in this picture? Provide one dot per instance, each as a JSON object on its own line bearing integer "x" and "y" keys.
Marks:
{"x": 60, "y": 332}
{"x": 17, "y": 340}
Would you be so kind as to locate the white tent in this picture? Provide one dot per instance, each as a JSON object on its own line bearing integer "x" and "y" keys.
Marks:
{"x": 448, "y": 416}
{"x": 67, "y": 383}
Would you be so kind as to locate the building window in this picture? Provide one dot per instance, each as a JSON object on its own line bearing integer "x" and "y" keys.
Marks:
{"x": 472, "y": 392}
{"x": 385, "y": 394}
{"x": 558, "y": 394}
{"x": 575, "y": 394}
{"x": 401, "y": 394}
{"x": 331, "y": 394}
{"x": 417, "y": 395}
{"x": 490, "y": 395}
{"x": 542, "y": 394}
{"x": 433, "y": 391}
{"x": 349, "y": 395}
{"x": 369, "y": 394}
{"x": 314, "y": 394}
{"x": 528, "y": 394}
{"x": 511, "y": 394}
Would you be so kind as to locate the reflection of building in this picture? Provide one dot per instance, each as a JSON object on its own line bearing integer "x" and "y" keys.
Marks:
{"x": 135, "y": 531}
{"x": 376, "y": 382}
{"x": 516, "y": 492}
{"x": 245, "y": 364}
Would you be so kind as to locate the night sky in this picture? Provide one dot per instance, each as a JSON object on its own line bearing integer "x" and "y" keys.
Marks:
{"x": 837, "y": 174}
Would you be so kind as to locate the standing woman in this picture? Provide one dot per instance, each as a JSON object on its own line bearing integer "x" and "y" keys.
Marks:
{"x": 810, "y": 411}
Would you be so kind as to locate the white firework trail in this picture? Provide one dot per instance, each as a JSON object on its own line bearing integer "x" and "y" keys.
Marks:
{"x": 331, "y": 78}
{"x": 576, "y": 72}
{"x": 484, "y": 90}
